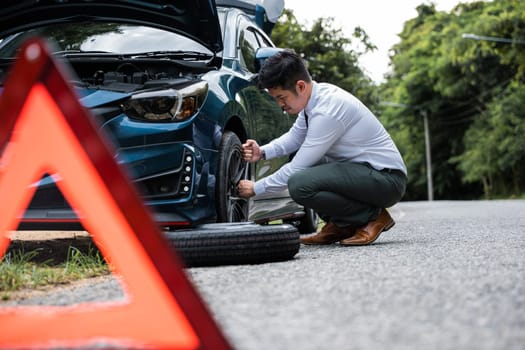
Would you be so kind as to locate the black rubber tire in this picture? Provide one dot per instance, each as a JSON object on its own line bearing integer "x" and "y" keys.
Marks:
{"x": 235, "y": 243}
{"x": 308, "y": 222}
{"x": 231, "y": 168}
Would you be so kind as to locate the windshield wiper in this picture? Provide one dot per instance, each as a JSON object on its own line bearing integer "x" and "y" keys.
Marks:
{"x": 186, "y": 55}
{"x": 70, "y": 53}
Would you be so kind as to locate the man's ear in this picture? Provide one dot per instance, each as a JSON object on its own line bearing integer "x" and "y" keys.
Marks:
{"x": 300, "y": 86}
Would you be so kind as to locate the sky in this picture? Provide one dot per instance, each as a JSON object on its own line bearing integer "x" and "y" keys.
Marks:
{"x": 382, "y": 20}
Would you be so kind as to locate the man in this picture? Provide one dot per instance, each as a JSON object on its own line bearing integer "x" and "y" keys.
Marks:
{"x": 347, "y": 168}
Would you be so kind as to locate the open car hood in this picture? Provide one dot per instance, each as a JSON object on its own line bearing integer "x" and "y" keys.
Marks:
{"x": 196, "y": 19}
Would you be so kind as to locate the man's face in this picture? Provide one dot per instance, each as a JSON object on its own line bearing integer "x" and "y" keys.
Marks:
{"x": 291, "y": 103}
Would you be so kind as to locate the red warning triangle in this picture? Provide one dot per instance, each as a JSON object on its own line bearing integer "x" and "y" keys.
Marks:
{"x": 43, "y": 128}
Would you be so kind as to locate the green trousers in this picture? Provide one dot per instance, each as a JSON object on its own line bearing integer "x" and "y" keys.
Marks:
{"x": 347, "y": 193}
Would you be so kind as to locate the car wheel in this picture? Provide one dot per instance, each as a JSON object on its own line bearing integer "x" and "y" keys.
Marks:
{"x": 309, "y": 221}
{"x": 231, "y": 167}
{"x": 306, "y": 224}
{"x": 235, "y": 243}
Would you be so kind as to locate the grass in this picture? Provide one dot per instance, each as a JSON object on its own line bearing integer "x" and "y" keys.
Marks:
{"x": 24, "y": 270}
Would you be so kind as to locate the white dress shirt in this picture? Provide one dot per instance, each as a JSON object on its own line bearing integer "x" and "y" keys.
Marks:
{"x": 340, "y": 129}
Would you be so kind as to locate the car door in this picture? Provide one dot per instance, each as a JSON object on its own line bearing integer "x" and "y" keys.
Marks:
{"x": 269, "y": 122}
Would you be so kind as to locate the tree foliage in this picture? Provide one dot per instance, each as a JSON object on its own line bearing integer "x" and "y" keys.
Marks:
{"x": 328, "y": 53}
{"x": 472, "y": 91}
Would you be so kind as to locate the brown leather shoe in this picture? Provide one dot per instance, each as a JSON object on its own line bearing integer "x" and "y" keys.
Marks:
{"x": 370, "y": 232}
{"x": 329, "y": 234}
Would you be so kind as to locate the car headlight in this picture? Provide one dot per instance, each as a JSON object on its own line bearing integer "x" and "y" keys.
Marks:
{"x": 168, "y": 105}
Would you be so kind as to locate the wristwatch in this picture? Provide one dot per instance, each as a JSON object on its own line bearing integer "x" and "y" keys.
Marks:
{"x": 263, "y": 155}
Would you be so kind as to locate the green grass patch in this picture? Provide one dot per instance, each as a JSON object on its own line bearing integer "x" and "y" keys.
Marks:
{"x": 24, "y": 270}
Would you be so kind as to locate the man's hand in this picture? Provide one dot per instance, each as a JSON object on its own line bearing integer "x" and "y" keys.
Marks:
{"x": 245, "y": 188}
{"x": 251, "y": 152}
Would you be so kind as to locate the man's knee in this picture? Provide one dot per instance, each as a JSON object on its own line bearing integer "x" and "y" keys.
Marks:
{"x": 295, "y": 187}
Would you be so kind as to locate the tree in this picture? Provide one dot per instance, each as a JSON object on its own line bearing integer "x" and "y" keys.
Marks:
{"x": 495, "y": 146}
{"x": 471, "y": 93}
{"x": 328, "y": 53}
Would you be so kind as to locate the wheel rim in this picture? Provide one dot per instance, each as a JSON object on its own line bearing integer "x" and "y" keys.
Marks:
{"x": 237, "y": 206}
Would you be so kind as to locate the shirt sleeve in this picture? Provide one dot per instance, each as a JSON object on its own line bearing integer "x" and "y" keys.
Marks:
{"x": 322, "y": 133}
{"x": 288, "y": 142}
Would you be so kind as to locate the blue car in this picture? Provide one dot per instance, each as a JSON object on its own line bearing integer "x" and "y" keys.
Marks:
{"x": 173, "y": 85}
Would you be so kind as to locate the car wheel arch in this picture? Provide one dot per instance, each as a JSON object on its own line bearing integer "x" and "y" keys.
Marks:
{"x": 235, "y": 125}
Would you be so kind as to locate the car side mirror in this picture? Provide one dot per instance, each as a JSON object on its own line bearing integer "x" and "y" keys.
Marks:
{"x": 263, "y": 53}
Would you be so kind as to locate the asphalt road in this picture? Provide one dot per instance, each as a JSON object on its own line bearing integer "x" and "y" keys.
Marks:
{"x": 449, "y": 275}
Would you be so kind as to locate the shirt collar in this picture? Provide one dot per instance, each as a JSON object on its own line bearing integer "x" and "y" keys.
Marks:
{"x": 312, "y": 101}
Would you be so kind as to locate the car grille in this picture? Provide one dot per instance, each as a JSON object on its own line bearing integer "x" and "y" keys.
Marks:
{"x": 176, "y": 184}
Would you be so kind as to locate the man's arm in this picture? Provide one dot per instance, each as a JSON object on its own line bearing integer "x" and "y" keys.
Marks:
{"x": 324, "y": 132}
{"x": 289, "y": 142}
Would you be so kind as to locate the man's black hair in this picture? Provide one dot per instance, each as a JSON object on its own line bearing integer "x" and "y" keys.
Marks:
{"x": 283, "y": 70}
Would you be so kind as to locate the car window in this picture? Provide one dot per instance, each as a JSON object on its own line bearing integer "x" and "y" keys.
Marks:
{"x": 263, "y": 42}
{"x": 248, "y": 44}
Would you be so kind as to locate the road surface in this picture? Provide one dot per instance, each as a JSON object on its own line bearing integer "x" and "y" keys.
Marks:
{"x": 449, "y": 275}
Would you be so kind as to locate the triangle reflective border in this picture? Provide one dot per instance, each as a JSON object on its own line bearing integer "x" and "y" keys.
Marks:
{"x": 44, "y": 128}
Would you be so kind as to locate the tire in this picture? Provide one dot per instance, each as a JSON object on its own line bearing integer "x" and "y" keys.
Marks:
{"x": 234, "y": 244}
{"x": 307, "y": 223}
{"x": 231, "y": 168}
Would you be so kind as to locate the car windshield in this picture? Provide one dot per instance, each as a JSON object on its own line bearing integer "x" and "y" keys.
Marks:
{"x": 96, "y": 37}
